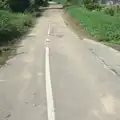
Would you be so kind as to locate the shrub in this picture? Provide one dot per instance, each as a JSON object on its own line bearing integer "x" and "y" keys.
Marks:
{"x": 109, "y": 10}
{"x": 93, "y": 6}
{"x": 89, "y": 6}
{"x": 117, "y": 8}
{"x": 13, "y": 25}
{"x": 4, "y": 5}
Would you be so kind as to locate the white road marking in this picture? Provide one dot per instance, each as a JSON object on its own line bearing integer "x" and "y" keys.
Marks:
{"x": 50, "y": 103}
{"x": 47, "y": 40}
{"x": 49, "y": 30}
{"x": 40, "y": 74}
{"x": 3, "y": 80}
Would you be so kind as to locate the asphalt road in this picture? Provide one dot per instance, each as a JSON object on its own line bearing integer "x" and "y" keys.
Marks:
{"x": 59, "y": 76}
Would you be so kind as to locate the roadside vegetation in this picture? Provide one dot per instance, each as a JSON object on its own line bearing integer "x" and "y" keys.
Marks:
{"x": 99, "y": 25}
{"x": 102, "y": 21}
{"x": 16, "y": 16}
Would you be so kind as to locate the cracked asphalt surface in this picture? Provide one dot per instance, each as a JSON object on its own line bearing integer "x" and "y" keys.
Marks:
{"x": 85, "y": 76}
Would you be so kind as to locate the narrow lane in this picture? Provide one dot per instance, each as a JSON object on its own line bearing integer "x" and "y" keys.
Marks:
{"x": 61, "y": 80}
{"x": 23, "y": 94}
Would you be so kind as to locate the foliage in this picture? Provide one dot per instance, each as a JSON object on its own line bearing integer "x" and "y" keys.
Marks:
{"x": 117, "y": 8}
{"x": 93, "y": 6}
{"x": 101, "y": 26}
{"x": 4, "y": 5}
{"x": 13, "y": 22}
{"x": 112, "y": 10}
{"x": 13, "y": 25}
{"x": 109, "y": 10}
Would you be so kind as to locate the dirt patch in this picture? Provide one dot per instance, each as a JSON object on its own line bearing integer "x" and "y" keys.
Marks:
{"x": 8, "y": 51}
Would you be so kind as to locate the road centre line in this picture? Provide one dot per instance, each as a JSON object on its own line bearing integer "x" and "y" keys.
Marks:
{"x": 49, "y": 29}
{"x": 49, "y": 95}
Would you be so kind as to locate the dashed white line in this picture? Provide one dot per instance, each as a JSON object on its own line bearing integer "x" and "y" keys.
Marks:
{"x": 3, "y": 80}
{"x": 49, "y": 29}
{"x": 50, "y": 104}
{"x": 49, "y": 95}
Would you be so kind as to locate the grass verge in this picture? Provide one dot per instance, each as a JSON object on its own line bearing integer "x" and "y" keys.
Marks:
{"x": 102, "y": 27}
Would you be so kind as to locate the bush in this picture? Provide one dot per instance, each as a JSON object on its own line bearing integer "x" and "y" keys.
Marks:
{"x": 109, "y": 10}
{"x": 97, "y": 24}
{"x": 4, "y": 5}
{"x": 117, "y": 8}
{"x": 93, "y": 6}
{"x": 89, "y": 6}
{"x": 13, "y": 25}
{"x": 112, "y": 10}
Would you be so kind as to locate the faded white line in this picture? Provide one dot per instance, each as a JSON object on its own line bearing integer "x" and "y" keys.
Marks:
{"x": 47, "y": 40}
{"x": 49, "y": 29}
{"x": 49, "y": 95}
{"x": 50, "y": 104}
{"x": 3, "y": 80}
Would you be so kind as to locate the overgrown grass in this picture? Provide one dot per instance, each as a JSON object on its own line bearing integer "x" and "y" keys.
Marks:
{"x": 13, "y": 25}
{"x": 102, "y": 27}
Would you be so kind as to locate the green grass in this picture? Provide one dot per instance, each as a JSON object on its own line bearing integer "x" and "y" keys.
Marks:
{"x": 13, "y": 25}
{"x": 102, "y": 27}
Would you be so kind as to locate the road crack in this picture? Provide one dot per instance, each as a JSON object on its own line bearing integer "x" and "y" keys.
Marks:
{"x": 104, "y": 63}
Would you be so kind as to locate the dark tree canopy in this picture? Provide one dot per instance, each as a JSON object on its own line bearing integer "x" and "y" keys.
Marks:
{"x": 22, "y": 5}
{"x": 19, "y": 5}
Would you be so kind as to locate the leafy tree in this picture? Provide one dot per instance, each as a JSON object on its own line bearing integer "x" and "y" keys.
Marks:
{"x": 19, "y": 5}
